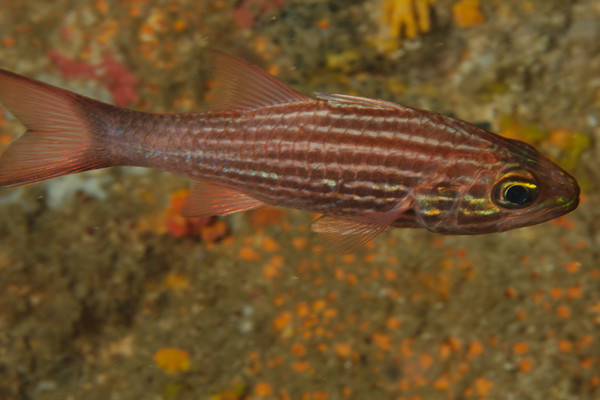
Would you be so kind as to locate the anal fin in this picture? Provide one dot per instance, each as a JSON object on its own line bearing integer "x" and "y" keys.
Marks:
{"x": 347, "y": 233}
{"x": 207, "y": 199}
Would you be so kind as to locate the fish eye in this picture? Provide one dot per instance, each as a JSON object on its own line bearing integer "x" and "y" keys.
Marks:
{"x": 515, "y": 190}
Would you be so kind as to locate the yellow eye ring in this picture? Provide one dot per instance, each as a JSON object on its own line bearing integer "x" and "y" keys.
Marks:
{"x": 515, "y": 190}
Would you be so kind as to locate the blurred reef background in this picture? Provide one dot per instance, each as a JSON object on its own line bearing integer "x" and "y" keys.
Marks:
{"x": 106, "y": 293}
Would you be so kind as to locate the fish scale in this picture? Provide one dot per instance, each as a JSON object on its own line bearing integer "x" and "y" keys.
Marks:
{"x": 366, "y": 164}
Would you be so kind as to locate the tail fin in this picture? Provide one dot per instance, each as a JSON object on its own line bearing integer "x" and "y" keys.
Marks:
{"x": 59, "y": 139}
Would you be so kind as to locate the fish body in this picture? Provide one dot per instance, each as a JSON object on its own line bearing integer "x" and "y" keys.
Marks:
{"x": 367, "y": 165}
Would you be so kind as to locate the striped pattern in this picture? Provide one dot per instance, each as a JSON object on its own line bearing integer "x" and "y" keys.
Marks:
{"x": 337, "y": 160}
{"x": 367, "y": 164}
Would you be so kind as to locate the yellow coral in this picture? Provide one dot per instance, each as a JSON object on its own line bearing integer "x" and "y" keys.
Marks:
{"x": 407, "y": 18}
{"x": 466, "y": 13}
{"x": 402, "y": 19}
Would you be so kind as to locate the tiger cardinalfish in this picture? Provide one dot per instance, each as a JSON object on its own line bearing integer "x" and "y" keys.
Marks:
{"x": 367, "y": 165}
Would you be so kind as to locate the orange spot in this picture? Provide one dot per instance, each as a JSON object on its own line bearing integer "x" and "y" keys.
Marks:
{"x": 556, "y": 293}
{"x": 425, "y": 361}
{"x": 275, "y": 361}
{"x": 8, "y": 41}
{"x": 442, "y": 383}
{"x": 466, "y": 13}
{"x": 520, "y": 348}
{"x": 263, "y": 389}
{"x": 454, "y": 343}
{"x": 320, "y": 395}
{"x": 352, "y": 280}
{"x": 347, "y": 392}
{"x": 318, "y": 305}
{"x": 300, "y": 366}
{"x": 475, "y": 349}
{"x": 302, "y": 309}
{"x": 5, "y": 139}
{"x": 179, "y": 25}
{"x": 213, "y": 232}
{"x": 172, "y": 360}
{"x": 349, "y": 258}
{"x": 573, "y": 267}
{"x": 525, "y": 365}
{"x": 537, "y": 296}
{"x": 510, "y": 293}
{"x": 249, "y": 254}
{"x": 370, "y": 257}
{"x": 283, "y": 395}
{"x": 298, "y": 350}
{"x": 482, "y": 386}
{"x": 271, "y": 269}
{"x": 269, "y": 244}
{"x": 280, "y": 300}
{"x": 343, "y": 349}
{"x": 382, "y": 341}
{"x": 102, "y": 6}
{"x": 521, "y": 315}
{"x": 574, "y": 292}
{"x": 389, "y": 274}
{"x": 300, "y": 243}
{"x": 266, "y": 216}
{"x": 444, "y": 351}
{"x": 586, "y": 341}
{"x": 339, "y": 274}
{"x": 563, "y": 312}
{"x": 282, "y": 320}
{"x": 273, "y": 69}
{"x": 323, "y": 24}
{"x": 134, "y": 11}
{"x": 392, "y": 323}
{"x": 586, "y": 362}
{"x": 565, "y": 346}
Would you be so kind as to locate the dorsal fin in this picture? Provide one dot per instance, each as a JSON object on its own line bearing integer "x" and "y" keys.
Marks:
{"x": 242, "y": 86}
{"x": 347, "y": 100}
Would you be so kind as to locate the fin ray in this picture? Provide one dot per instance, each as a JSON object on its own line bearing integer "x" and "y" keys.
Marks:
{"x": 347, "y": 233}
{"x": 354, "y": 101}
{"x": 207, "y": 199}
{"x": 58, "y": 140}
{"x": 242, "y": 86}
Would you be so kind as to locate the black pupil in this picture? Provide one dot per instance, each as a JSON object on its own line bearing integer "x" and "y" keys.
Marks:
{"x": 517, "y": 194}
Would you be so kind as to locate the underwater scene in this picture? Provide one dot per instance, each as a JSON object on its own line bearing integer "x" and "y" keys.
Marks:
{"x": 392, "y": 289}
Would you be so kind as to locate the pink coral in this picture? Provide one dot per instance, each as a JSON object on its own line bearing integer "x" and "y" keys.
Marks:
{"x": 111, "y": 73}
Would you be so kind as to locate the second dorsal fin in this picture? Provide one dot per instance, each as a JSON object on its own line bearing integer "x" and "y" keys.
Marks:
{"x": 242, "y": 86}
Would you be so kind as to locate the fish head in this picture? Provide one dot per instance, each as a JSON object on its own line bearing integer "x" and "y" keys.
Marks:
{"x": 531, "y": 189}
{"x": 527, "y": 189}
